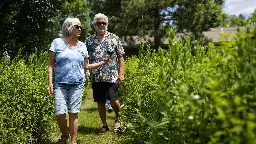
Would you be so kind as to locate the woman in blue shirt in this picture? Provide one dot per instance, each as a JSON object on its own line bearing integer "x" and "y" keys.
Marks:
{"x": 68, "y": 62}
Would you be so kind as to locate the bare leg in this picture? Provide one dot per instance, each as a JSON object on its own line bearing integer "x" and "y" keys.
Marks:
{"x": 73, "y": 125}
{"x": 62, "y": 122}
{"x": 102, "y": 113}
{"x": 116, "y": 107}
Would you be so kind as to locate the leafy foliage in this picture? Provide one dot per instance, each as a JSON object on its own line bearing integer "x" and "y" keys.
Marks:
{"x": 26, "y": 112}
{"x": 235, "y": 21}
{"x": 252, "y": 18}
{"x": 238, "y": 21}
{"x": 197, "y": 16}
{"x": 77, "y": 9}
{"x": 155, "y": 17}
{"x": 182, "y": 96}
{"x": 26, "y": 24}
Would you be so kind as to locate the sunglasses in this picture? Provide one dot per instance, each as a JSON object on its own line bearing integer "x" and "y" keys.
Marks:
{"x": 78, "y": 26}
{"x": 101, "y": 23}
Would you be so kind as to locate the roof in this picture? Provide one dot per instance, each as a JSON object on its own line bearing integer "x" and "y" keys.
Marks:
{"x": 214, "y": 34}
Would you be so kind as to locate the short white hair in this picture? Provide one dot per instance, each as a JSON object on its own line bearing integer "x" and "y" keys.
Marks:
{"x": 100, "y": 15}
{"x": 68, "y": 26}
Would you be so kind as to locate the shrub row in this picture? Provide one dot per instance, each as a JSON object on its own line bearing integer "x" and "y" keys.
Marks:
{"x": 192, "y": 93}
{"x": 26, "y": 112}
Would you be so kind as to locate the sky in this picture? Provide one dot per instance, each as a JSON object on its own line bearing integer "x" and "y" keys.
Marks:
{"x": 245, "y": 7}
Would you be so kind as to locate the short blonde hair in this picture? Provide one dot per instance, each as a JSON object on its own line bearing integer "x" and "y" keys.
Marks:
{"x": 68, "y": 26}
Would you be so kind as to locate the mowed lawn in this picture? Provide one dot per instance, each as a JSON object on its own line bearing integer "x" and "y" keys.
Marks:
{"x": 90, "y": 123}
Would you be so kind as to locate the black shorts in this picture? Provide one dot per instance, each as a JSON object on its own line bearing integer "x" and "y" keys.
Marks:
{"x": 105, "y": 90}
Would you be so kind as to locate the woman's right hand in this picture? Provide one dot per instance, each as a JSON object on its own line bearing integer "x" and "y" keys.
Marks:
{"x": 50, "y": 89}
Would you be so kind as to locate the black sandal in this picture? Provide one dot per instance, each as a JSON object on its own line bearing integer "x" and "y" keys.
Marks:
{"x": 103, "y": 130}
{"x": 63, "y": 140}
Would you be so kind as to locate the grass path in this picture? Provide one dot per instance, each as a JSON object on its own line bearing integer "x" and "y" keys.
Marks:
{"x": 89, "y": 124}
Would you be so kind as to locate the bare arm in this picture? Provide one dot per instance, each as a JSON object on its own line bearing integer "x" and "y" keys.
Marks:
{"x": 121, "y": 68}
{"x": 88, "y": 66}
{"x": 51, "y": 66}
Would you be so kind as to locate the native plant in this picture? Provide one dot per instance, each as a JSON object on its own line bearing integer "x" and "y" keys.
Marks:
{"x": 26, "y": 112}
{"x": 192, "y": 93}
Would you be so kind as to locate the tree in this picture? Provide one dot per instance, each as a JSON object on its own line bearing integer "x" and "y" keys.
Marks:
{"x": 225, "y": 20}
{"x": 26, "y": 24}
{"x": 235, "y": 21}
{"x": 197, "y": 16}
{"x": 77, "y": 9}
{"x": 150, "y": 17}
{"x": 252, "y": 18}
{"x": 135, "y": 17}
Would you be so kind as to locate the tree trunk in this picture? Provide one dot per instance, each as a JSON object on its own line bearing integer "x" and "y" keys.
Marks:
{"x": 157, "y": 35}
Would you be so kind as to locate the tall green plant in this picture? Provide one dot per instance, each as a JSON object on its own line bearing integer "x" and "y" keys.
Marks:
{"x": 26, "y": 110}
{"x": 192, "y": 94}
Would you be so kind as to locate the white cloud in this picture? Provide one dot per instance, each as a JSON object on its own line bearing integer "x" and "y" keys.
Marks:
{"x": 245, "y": 7}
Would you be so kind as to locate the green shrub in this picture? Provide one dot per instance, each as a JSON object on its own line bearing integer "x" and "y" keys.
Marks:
{"x": 26, "y": 112}
{"x": 192, "y": 94}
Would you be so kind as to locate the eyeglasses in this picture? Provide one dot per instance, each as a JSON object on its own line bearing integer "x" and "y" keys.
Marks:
{"x": 101, "y": 23}
{"x": 78, "y": 26}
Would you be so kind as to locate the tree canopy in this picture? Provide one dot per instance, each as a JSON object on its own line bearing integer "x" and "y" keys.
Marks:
{"x": 197, "y": 16}
{"x": 31, "y": 25}
{"x": 25, "y": 24}
{"x": 238, "y": 21}
{"x": 150, "y": 17}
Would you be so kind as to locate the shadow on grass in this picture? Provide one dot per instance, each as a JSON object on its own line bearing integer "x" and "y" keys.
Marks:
{"x": 111, "y": 117}
{"x": 48, "y": 142}
{"x": 90, "y": 110}
{"x": 88, "y": 130}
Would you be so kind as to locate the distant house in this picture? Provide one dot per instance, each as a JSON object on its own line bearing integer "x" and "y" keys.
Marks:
{"x": 131, "y": 42}
{"x": 215, "y": 34}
